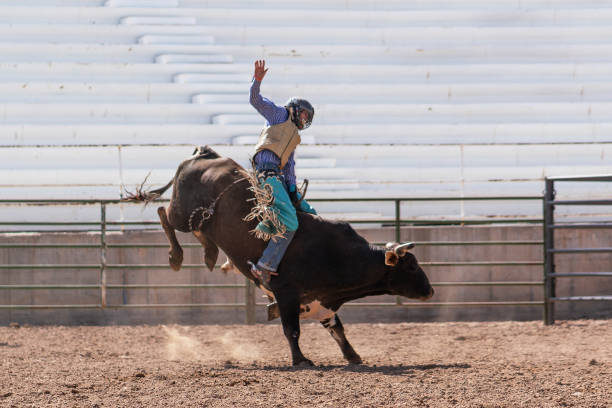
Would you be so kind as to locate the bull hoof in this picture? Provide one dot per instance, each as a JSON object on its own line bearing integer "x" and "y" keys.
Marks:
{"x": 175, "y": 259}
{"x": 354, "y": 359}
{"x": 303, "y": 363}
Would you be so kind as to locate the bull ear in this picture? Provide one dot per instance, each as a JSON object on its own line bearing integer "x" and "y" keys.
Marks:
{"x": 391, "y": 258}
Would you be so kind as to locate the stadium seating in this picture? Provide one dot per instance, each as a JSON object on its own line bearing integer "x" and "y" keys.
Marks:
{"x": 413, "y": 99}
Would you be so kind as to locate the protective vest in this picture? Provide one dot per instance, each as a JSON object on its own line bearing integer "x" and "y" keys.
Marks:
{"x": 281, "y": 139}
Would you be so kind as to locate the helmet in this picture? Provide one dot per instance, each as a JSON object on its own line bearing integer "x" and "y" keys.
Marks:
{"x": 298, "y": 106}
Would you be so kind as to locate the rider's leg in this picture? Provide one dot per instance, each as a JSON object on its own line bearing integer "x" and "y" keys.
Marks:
{"x": 274, "y": 252}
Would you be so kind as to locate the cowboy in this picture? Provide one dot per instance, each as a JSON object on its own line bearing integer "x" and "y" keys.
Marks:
{"x": 275, "y": 166}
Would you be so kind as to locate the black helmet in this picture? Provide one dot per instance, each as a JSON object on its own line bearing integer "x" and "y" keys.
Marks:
{"x": 298, "y": 105}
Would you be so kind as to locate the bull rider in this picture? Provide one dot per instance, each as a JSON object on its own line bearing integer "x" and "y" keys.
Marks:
{"x": 274, "y": 162}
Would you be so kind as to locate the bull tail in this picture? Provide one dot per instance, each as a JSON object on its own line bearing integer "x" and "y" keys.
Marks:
{"x": 146, "y": 196}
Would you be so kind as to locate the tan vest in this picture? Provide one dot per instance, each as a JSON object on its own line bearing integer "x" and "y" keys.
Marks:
{"x": 280, "y": 139}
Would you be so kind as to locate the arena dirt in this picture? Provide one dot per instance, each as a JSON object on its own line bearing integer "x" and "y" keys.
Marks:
{"x": 505, "y": 364}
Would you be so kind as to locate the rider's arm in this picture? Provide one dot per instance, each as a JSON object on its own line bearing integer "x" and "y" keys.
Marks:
{"x": 273, "y": 113}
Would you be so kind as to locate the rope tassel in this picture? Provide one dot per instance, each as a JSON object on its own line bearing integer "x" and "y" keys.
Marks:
{"x": 263, "y": 211}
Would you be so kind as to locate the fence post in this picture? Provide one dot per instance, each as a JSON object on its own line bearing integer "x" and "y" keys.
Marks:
{"x": 398, "y": 231}
{"x": 250, "y": 302}
{"x": 397, "y": 221}
{"x": 549, "y": 244}
{"x": 103, "y": 255}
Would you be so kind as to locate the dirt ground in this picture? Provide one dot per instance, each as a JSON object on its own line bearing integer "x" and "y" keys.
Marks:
{"x": 505, "y": 364}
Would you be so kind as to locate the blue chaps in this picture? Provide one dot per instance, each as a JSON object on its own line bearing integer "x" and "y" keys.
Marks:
{"x": 282, "y": 205}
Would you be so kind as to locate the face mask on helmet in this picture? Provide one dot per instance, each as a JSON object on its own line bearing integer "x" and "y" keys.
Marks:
{"x": 303, "y": 112}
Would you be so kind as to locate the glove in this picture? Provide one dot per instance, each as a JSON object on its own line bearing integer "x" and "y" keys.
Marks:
{"x": 293, "y": 195}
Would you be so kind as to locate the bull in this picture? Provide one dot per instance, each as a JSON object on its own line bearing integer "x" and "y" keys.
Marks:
{"x": 326, "y": 265}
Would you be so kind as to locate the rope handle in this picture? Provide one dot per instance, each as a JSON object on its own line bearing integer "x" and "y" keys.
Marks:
{"x": 302, "y": 190}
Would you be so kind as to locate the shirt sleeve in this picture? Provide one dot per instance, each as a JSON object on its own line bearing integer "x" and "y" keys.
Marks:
{"x": 289, "y": 172}
{"x": 273, "y": 113}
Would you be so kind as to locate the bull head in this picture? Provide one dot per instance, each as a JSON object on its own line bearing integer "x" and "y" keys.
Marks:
{"x": 395, "y": 251}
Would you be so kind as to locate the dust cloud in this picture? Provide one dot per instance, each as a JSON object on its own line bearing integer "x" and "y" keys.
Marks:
{"x": 181, "y": 346}
{"x": 239, "y": 351}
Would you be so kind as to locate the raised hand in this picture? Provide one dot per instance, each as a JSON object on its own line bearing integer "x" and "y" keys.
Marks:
{"x": 260, "y": 70}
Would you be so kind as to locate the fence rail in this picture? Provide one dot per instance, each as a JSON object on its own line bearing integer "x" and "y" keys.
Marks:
{"x": 250, "y": 304}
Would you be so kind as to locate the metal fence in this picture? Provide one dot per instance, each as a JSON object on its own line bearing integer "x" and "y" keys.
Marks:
{"x": 548, "y": 283}
{"x": 550, "y": 226}
{"x": 250, "y": 304}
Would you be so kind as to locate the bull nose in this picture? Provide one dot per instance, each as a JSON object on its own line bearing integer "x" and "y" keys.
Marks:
{"x": 431, "y": 293}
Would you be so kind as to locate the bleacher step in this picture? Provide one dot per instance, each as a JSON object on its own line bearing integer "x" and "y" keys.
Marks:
{"x": 237, "y": 119}
{"x": 176, "y": 39}
{"x": 241, "y": 114}
{"x": 418, "y": 37}
{"x": 289, "y": 73}
{"x": 216, "y": 91}
{"x": 310, "y": 53}
{"x": 142, "y": 3}
{"x": 194, "y": 59}
{"x": 308, "y": 16}
{"x": 161, "y": 20}
{"x": 203, "y": 99}
{"x": 549, "y": 134}
{"x": 225, "y": 78}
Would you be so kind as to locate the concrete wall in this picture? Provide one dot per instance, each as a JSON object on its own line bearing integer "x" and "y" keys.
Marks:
{"x": 425, "y": 254}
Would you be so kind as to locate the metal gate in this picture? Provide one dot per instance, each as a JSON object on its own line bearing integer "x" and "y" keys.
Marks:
{"x": 550, "y": 226}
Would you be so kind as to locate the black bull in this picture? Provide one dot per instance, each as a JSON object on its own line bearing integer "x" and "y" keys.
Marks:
{"x": 326, "y": 265}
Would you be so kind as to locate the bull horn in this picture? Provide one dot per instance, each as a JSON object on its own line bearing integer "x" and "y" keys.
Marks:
{"x": 401, "y": 249}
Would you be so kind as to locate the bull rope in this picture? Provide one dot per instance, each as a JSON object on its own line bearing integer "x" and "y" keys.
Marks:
{"x": 262, "y": 211}
{"x": 208, "y": 212}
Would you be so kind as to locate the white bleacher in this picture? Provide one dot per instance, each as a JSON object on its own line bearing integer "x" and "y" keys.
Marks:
{"x": 233, "y": 92}
{"x": 334, "y": 134}
{"x": 412, "y": 98}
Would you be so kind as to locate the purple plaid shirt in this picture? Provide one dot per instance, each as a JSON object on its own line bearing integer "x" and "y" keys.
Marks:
{"x": 274, "y": 115}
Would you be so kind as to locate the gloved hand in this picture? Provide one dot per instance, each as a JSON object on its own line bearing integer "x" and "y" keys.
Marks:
{"x": 293, "y": 195}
